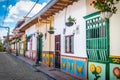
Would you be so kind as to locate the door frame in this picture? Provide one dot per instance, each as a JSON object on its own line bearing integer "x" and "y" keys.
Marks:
{"x": 58, "y": 65}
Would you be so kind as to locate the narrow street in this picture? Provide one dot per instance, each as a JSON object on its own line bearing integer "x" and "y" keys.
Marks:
{"x": 12, "y": 68}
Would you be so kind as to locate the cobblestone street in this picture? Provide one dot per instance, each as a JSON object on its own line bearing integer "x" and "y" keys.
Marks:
{"x": 12, "y": 68}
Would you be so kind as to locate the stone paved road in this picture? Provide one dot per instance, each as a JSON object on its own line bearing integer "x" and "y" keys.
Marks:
{"x": 12, "y": 68}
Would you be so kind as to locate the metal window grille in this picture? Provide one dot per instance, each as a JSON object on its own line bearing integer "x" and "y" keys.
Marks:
{"x": 97, "y": 39}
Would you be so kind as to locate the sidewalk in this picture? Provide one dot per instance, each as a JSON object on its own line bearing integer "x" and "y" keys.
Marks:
{"x": 51, "y": 72}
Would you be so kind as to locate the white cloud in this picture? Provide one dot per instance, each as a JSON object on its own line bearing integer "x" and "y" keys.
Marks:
{"x": 10, "y": 6}
{"x": 4, "y": 6}
{"x": 21, "y": 8}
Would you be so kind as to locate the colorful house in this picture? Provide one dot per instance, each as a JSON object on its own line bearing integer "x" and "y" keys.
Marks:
{"x": 62, "y": 51}
{"x": 102, "y": 44}
{"x": 70, "y": 40}
{"x": 40, "y": 44}
{"x": 16, "y": 40}
{"x": 83, "y": 44}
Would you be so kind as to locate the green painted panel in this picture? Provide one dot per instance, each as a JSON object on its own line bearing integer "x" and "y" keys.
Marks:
{"x": 96, "y": 71}
{"x": 114, "y": 71}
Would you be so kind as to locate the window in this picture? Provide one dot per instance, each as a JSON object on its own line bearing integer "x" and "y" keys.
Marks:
{"x": 69, "y": 44}
{"x": 97, "y": 38}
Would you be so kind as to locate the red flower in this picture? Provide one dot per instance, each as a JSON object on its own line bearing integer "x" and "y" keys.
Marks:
{"x": 93, "y": 2}
{"x": 102, "y": 0}
{"x": 90, "y": 4}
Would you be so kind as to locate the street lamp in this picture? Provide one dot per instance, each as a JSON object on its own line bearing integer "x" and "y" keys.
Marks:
{"x": 8, "y": 44}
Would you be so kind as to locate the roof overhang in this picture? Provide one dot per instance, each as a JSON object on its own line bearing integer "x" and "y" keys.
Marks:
{"x": 54, "y": 6}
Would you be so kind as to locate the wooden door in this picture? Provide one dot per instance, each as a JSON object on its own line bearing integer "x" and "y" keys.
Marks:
{"x": 39, "y": 49}
{"x": 57, "y": 51}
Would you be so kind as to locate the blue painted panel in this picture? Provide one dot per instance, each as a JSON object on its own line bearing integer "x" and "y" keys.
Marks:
{"x": 81, "y": 69}
{"x": 51, "y": 60}
{"x": 70, "y": 66}
{"x": 64, "y": 64}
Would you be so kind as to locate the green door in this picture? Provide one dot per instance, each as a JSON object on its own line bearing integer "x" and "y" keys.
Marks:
{"x": 39, "y": 48}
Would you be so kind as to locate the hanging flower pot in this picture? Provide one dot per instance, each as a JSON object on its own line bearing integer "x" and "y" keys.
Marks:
{"x": 51, "y": 30}
{"x": 40, "y": 35}
{"x": 106, "y": 15}
{"x": 106, "y": 7}
{"x": 70, "y": 22}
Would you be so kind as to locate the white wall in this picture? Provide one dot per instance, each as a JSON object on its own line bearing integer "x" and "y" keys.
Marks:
{"x": 77, "y": 10}
{"x": 32, "y": 30}
{"x": 115, "y": 33}
{"x": 34, "y": 43}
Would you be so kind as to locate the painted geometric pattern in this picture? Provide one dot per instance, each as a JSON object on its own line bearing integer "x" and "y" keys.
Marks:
{"x": 48, "y": 59}
{"x": 51, "y": 59}
{"x": 45, "y": 58}
{"x": 96, "y": 71}
{"x": 114, "y": 71}
{"x": 64, "y": 64}
{"x": 74, "y": 66}
{"x": 114, "y": 59}
{"x": 71, "y": 66}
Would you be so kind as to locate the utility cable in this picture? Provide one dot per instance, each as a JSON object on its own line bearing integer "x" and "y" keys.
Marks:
{"x": 32, "y": 8}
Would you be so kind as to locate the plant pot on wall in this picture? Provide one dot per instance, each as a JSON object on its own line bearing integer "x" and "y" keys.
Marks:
{"x": 70, "y": 22}
{"x": 106, "y": 15}
{"x": 40, "y": 35}
{"x": 51, "y": 30}
{"x": 106, "y": 7}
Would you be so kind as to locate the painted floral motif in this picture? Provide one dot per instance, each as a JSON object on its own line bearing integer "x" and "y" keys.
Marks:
{"x": 116, "y": 72}
{"x": 92, "y": 68}
{"x": 96, "y": 70}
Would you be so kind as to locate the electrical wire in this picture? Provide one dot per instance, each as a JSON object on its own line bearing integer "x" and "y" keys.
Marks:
{"x": 32, "y": 8}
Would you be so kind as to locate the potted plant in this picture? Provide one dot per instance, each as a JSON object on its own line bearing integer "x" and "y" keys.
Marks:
{"x": 51, "y": 30}
{"x": 40, "y": 34}
{"x": 70, "y": 22}
{"x": 106, "y": 7}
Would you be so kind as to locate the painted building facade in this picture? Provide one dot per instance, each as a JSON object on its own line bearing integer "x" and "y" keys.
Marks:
{"x": 46, "y": 43}
{"x": 102, "y": 45}
{"x": 88, "y": 50}
{"x": 30, "y": 42}
{"x": 72, "y": 50}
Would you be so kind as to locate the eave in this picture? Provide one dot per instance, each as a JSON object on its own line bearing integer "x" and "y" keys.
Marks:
{"x": 53, "y": 7}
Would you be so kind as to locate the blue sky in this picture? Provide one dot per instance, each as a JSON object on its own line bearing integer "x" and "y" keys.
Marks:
{"x": 16, "y": 10}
